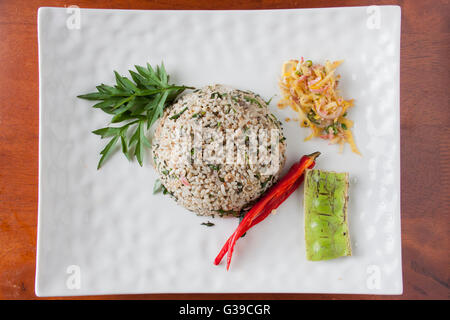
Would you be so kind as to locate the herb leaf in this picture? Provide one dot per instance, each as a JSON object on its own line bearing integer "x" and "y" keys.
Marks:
{"x": 208, "y": 224}
{"x": 157, "y": 187}
{"x": 176, "y": 116}
{"x": 269, "y": 101}
{"x": 106, "y": 132}
{"x": 253, "y": 100}
{"x": 214, "y": 167}
{"x": 133, "y": 102}
{"x": 107, "y": 151}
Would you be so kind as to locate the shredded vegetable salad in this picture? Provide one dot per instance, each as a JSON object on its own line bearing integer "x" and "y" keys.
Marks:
{"x": 311, "y": 90}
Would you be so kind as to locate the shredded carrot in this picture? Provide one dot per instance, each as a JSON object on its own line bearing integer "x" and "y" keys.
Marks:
{"x": 311, "y": 91}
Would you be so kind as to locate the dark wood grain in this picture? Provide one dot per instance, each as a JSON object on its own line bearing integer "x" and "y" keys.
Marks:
{"x": 425, "y": 143}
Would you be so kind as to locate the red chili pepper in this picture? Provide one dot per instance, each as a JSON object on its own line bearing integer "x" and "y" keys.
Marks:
{"x": 271, "y": 200}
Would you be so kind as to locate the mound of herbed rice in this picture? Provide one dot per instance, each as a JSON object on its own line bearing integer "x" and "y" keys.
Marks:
{"x": 194, "y": 162}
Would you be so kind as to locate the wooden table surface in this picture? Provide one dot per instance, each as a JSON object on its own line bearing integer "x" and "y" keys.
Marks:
{"x": 425, "y": 142}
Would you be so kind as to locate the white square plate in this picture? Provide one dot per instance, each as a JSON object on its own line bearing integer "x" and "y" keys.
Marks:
{"x": 103, "y": 232}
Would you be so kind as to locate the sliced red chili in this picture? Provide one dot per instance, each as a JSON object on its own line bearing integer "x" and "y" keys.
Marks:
{"x": 270, "y": 201}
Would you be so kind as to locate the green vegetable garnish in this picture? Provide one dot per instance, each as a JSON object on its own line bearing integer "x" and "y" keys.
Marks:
{"x": 157, "y": 187}
{"x": 253, "y": 100}
{"x": 311, "y": 116}
{"x": 325, "y": 202}
{"x": 333, "y": 128}
{"x": 176, "y": 116}
{"x": 269, "y": 101}
{"x": 214, "y": 167}
{"x": 224, "y": 212}
{"x": 165, "y": 191}
{"x": 138, "y": 102}
{"x": 235, "y": 99}
{"x": 199, "y": 114}
{"x": 208, "y": 224}
{"x": 218, "y": 94}
{"x": 263, "y": 184}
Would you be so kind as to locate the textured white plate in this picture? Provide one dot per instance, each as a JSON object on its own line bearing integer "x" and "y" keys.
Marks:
{"x": 104, "y": 232}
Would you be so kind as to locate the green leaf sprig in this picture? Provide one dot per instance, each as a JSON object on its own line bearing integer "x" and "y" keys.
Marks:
{"x": 136, "y": 103}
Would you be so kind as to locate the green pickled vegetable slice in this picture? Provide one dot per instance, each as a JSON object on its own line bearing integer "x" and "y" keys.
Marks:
{"x": 326, "y": 226}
